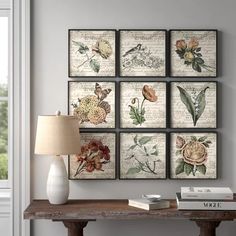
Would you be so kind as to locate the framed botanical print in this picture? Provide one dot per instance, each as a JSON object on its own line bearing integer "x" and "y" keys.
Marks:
{"x": 142, "y": 53}
{"x": 92, "y": 53}
{"x": 93, "y": 103}
{"x": 194, "y": 104}
{"x": 193, "y": 155}
{"x": 97, "y": 159}
{"x": 193, "y": 53}
{"x": 143, "y": 104}
{"x": 142, "y": 155}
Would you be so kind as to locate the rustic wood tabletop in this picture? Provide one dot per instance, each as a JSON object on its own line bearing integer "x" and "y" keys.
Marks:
{"x": 77, "y": 213}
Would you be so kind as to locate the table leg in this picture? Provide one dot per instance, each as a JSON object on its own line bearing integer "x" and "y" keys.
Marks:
{"x": 75, "y": 228}
{"x": 207, "y": 228}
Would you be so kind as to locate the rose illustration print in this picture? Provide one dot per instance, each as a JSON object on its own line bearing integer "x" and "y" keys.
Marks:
{"x": 191, "y": 54}
{"x": 193, "y": 155}
{"x": 101, "y": 48}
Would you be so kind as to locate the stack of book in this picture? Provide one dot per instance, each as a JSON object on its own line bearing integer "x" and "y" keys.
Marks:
{"x": 149, "y": 205}
{"x": 206, "y": 198}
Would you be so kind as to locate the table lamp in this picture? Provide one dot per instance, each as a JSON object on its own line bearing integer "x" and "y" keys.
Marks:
{"x": 57, "y": 135}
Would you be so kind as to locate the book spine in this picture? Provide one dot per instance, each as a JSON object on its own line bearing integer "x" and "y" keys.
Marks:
{"x": 211, "y": 196}
{"x": 206, "y": 205}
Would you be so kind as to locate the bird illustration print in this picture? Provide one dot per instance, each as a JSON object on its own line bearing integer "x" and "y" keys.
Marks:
{"x": 133, "y": 50}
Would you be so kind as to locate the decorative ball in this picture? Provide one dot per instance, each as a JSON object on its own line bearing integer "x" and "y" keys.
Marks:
{"x": 58, "y": 113}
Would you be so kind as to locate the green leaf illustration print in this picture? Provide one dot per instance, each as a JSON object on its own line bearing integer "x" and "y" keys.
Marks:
{"x": 82, "y": 47}
{"x": 180, "y": 168}
{"x": 133, "y": 170}
{"x": 201, "y": 101}
{"x": 94, "y": 64}
{"x": 196, "y": 105}
{"x": 202, "y": 169}
{"x": 187, "y": 101}
{"x": 144, "y": 140}
{"x": 188, "y": 168}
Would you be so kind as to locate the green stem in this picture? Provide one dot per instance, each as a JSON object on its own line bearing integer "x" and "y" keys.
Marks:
{"x": 87, "y": 55}
{"x": 140, "y": 165}
{"x": 142, "y": 104}
{"x": 142, "y": 149}
{"x": 80, "y": 168}
{"x": 154, "y": 164}
{"x": 145, "y": 150}
{"x": 149, "y": 168}
{"x": 88, "y": 59}
{"x": 82, "y": 164}
{"x": 207, "y": 67}
{"x": 138, "y": 101}
{"x": 139, "y": 112}
{"x": 136, "y": 114}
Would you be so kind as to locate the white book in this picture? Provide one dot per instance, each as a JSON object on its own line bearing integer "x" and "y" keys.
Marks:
{"x": 148, "y": 205}
{"x": 213, "y": 205}
{"x": 214, "y": 193}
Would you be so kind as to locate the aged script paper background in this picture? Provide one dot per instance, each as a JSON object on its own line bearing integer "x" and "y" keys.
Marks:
{"x": 82, "y": 89}
{"x": 181, "y": 118}
{"x": 108, "y": 139}
{"x": 211, "y": 171}
{"x": 155, "y": 43}
{"x": 207, "y": 42}
{"x": 89, "y": 38}
{"x": 155, "y": 112}
{"x": 127, "y": 140}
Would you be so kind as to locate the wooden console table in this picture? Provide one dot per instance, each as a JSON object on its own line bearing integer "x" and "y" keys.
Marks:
{"x": 76, "y": 214}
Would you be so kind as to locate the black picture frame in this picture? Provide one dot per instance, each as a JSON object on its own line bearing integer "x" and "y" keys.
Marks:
{"x": 92, "y": 76}
{"x": 116, "y": 155}
{"x": 192, "y": 81}
{"x": 94, "y": 81}
{"x": 166, "y": 105}
{"x": 192, "y": 76}
{"x": 144, "y": 132}
{"x": 193, "y": 132}
{"x": 142, "y": 76}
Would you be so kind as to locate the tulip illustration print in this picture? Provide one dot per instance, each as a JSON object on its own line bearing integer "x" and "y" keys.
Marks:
{"x": 190, "y": 53}
{"x": 193, "y": 155}
{"x": 137, "y": 109}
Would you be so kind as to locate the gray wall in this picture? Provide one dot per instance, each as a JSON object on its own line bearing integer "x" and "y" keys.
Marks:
{"x": 50, "y": 22}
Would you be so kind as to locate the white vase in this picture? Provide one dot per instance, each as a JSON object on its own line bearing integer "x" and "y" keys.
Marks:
{"x": 57, "y": 183}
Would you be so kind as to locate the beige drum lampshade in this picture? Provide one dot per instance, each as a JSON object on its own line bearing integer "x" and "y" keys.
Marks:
{"x": 57, "y": 135}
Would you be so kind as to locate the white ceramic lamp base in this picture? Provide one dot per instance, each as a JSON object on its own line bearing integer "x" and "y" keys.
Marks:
{"x": 57, "y": 183}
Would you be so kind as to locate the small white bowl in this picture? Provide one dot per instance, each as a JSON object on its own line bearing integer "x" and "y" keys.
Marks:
{"x": 152, "y": 197}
